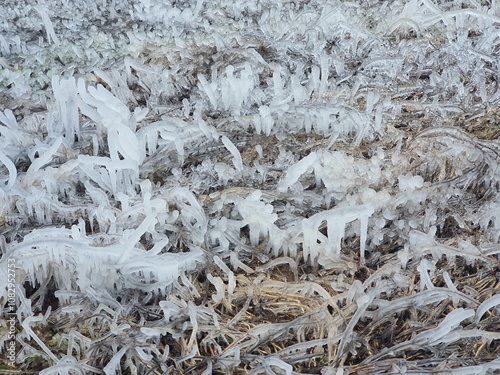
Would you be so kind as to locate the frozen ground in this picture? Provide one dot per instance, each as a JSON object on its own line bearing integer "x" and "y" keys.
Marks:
{"x": 250, "y": 186}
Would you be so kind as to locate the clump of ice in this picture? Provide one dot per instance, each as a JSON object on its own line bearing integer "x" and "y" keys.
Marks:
{"x": 410, "y": 183}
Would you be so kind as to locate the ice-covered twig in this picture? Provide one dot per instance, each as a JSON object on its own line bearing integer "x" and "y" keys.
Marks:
{"x": 486, "y": 305}
{"x": 431, "y": 337}
{"x": 11, "y": 168}
{"x": 69, "y": 365}
{"x": 26, "y": 326}
{"x": 31, "y": 173}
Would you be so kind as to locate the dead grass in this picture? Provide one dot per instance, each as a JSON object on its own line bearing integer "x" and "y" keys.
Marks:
{"x": 287, "y": 303}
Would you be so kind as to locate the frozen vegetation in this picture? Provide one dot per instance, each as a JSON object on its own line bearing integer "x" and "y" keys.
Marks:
{"x": 258, "y": 186}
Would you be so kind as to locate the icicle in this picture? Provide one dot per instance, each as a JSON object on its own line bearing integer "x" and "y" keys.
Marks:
{"x": 451, "y": 286}
{"x": 231, "y": 284}
{"x": 336, "y": 220}
{"x": 65, "y": 95}
{"x": 49, "y": 28}
{"x": 237, "y": 161}
{"x": 219, "y": 287}
{"x": 207, "y": 88}
{"x": 424, "y": 267}
{"x": 298, "y": 169}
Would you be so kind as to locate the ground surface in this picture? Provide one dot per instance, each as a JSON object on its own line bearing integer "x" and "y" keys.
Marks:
{"x": 250, "y": 187}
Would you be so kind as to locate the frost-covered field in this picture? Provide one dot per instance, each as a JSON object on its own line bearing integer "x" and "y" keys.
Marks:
{"x": 259, "y": 186}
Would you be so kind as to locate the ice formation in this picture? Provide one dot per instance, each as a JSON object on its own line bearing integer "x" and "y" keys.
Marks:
{"x": 258, "y": 186}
